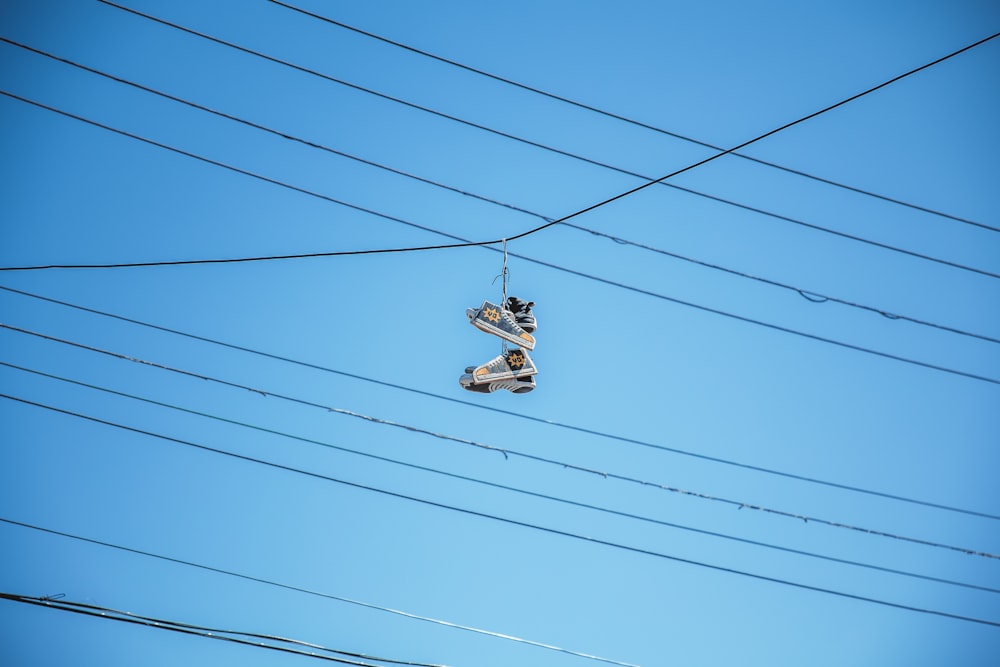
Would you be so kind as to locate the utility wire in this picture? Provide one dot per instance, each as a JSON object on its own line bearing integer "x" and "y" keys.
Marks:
{"x": 496, "y": 410}
{"x": 625, "y": 119}
{"x": 515, "y": 522}
{"x": 627, "y": 193}
{"x": 464, "y": 244}
{"x": 269, "y": 130}
{"x": 811, "y": 295}
{"x": 257, "y": 640}
{"x": 312, "y": 144}
{"x": 508, "y": 452}
{"x": 504, "y": 487}
{"x": 328, "y": 596}
{"x": 238, "y": 170}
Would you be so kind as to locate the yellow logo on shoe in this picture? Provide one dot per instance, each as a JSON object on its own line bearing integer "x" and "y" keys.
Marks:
{"x": 515, "y": 360}
{"x": 492, "y": 314}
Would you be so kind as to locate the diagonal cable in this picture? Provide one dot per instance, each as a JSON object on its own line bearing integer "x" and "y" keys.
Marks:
{"x": 510, "y": 413}
{"x": 812, "y": 295}
{"x": 508, "y": 452}
{"x": 512, "y": 522}
{"x": 601, "y": 203}
{"x": 625, "y": 119}
{"x": 502, "y": 487}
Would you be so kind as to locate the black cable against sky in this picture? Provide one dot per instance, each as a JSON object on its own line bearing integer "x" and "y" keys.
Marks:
{"x": 546, "y": 218}
{"x": 258, "y": 640}
{"x": 510, "y": 489}
{"x": 625, "y": 119}
{"x": 513, "y": 522}
{"x": 463, "y": 244}
{"x": 808, "y": 294}
{"x": 598, "y": 204}
{"x": 328, "y": 596}
{"x": 510, "y": 413}
{"x": 508, "y": 451}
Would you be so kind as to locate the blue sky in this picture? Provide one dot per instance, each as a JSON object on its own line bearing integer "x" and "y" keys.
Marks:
{"x": 684, "y": 387}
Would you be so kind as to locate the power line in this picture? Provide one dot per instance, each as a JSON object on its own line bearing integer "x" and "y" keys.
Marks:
{"x": 504, "y": 487}
{"x": 465, "y": 243}
{"x": 264, "y": 641}
{"x": 269, "y": 130}
{"x": 318, "y": 146}
{"x": 808, "y": 294}
{"x": 496, "y": 410}
{"x": 647, "y": 183}
{"x": 508, "y": 452}
{"x": 455, "y": 245}
{"x": 624, "y": 118}
{"x": 244, "y": 172}
{"x": 328, "y": 596}
{"x": 514, "y": 522}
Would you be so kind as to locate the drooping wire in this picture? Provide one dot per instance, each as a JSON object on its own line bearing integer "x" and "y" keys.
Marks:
{"x": 457, "y": 245}
{"x": 502, "y": 487}
{"x": 625, "y": 119}
{"x": 599, "y": 204}
{"x": 509, "y": 521}
{"x": 508, "y": 452}
{"x": 371, "y": 163}
{"x": 807, "y": 294}
{"x": 274, "y": 643}
{"x": 463, "y": 244}
{"x": 511, "y": 413}
{"x": 328, "y": 596}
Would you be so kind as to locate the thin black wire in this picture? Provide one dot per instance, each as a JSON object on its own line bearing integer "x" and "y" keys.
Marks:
{"x": 508, "y": 452}
{"x": 328, "y": 596}
{"x": 245, "y": 172}
{"x": 809, "y": 294}
{"x": 502, "y": 487}
{"x": 480, "y": 406}
{"x": 509, "y": 521}
{"x": 469, "y": 194}
{"x": 607, "y": 201}
{"x": 626, "y": 119}
{"x": 269, "y": 130}
{"x": 209, "y": 633}
{"x": 464, "y": 244}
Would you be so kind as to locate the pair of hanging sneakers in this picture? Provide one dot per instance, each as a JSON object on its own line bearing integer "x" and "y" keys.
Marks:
{"x": 513, "y": 370}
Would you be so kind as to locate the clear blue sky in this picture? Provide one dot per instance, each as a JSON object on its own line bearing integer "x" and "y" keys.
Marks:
{"x": 642, "y": 362}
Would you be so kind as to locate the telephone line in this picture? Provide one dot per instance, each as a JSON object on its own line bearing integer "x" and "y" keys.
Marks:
{"x": 625, "y": 119}
{"x": 508, "y": 452}
{"x": 299, "y": 589}
{"x": 627, "y": 193}
{"x": 645, "y": 178}
{"x": 464, "y": 244}
{"x": 496, "y": 410}
{"x": 237, "y": 637}
{"x": 514, "y": 522}
{"x": 808, "y": 294}
{"x": 511, "y": 489}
